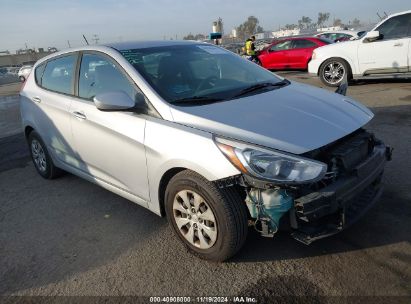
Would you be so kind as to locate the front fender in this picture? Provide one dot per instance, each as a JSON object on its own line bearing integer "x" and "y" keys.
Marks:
{"x": 171, "y": 145}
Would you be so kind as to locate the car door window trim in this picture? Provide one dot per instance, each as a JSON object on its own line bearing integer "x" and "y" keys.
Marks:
{"x": 76, "y": 53}
{"x": 152, "y": 109}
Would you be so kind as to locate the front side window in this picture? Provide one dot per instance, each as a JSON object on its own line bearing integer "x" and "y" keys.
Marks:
{"x": 58, "y": 74}
{"x": 184, "y": 72}
{"x": 99, "y": 75}
{"x": 395, "y": 27}
{"x": 282, "y": 46}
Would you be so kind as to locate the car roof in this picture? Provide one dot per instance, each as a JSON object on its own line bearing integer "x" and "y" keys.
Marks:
{"x": 130, "y": 45}
{"x": 400, "y": 13}
{"x": 294, "y": 38}
{"x": 341, "y": 31}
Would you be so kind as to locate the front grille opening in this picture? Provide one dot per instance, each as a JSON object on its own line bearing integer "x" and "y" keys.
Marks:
{"x": 343, "y": 155}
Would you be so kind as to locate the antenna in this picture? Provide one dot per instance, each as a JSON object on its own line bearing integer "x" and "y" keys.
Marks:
{"x": 85, "y": 39}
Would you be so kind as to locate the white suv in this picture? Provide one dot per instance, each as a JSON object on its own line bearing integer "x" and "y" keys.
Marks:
{"x": 383, "y": 52}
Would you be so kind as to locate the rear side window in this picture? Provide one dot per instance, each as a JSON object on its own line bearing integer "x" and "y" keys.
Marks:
{"x": 396, "y": 27}
{"x": 302, "y": 44}
{"x": 326, "y": 41}
{"x": 39, "y": 73}
{"x": 58, "y": 74}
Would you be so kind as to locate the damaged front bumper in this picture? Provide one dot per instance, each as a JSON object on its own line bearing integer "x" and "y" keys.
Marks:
{"x": 337, "y": 206}
{"x": 318, "y": 211}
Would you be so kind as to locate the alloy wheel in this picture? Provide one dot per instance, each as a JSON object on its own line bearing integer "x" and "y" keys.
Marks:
{"x": 195, "y": 219}
{"x": 39, "y": 156}
{"x": 334, "y": 72}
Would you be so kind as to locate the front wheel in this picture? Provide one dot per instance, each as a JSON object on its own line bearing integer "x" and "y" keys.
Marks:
{"x": 334, "y": 71}
{"x": 211, "y": 222}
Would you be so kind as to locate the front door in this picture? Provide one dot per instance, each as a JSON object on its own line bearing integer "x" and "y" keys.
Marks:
{"x": 109, "y": 145}
{"x": 277, "y": 57}
{"x": 389, "y": 54}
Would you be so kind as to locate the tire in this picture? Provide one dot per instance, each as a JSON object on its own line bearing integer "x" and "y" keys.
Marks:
{"x": 41, "y": 157}
{"x": 334, "y": 71}
{"x": 22, "y": 79}
{"x": 227, "y": 207}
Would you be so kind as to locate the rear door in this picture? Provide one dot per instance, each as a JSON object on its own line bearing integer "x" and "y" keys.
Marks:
{"x": 53, "y": 99}
{"x": 302, "y": 50}
{"x": 109, "y": 145}
{"x": 390, "y": 53}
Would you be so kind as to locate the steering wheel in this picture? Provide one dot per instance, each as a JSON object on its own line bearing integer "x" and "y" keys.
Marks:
{"x": 207, "y": 81}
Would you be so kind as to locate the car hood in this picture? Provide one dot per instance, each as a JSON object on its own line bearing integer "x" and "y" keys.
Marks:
{"x": 297, "y": 118}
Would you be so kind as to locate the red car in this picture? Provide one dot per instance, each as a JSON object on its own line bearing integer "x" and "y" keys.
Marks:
{"x": 290, "y": 53}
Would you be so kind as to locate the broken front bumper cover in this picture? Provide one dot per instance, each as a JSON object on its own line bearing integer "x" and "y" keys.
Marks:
{"x": 337, "y": 206}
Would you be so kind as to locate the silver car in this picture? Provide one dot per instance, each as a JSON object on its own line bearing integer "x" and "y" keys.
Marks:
{"x": 212, "y": 141}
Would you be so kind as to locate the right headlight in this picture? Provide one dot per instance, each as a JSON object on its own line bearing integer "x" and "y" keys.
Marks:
{"x": 271, "y": 165}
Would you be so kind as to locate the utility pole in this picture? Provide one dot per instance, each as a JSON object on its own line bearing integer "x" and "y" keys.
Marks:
{"x": 68, "y": 42}
{"x": 95, "y": 38}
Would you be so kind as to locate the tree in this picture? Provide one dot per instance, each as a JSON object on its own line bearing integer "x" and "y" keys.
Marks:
{"x": 249, "y": 28}
{"x": 356, "y": 23}
{"x": 199, "y": 37}
{"x": 290, "y": 26}
{"x": 337, "y": 22}
{"x": 304, "y": 22}
{"x": 322, "y": 18}
{"x": 189, "y": 37}
{"x": 194, "y": 37}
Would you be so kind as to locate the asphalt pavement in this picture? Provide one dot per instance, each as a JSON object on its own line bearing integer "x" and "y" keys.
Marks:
{"x": 70, "y": 237}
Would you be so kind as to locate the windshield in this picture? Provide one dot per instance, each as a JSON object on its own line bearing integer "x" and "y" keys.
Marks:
{"x": 198, "y": 72}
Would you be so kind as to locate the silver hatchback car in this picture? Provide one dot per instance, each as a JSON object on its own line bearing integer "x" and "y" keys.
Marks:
{"x": 214, "y": 142}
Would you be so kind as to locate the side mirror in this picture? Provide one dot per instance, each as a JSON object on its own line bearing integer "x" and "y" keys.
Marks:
{"x": 118, "y": 101}
{"x": 372, "y": 36}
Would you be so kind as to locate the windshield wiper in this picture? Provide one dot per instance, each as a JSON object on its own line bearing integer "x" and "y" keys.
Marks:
{"x": 196, "y": 100}
{"x": 263, "y": 85}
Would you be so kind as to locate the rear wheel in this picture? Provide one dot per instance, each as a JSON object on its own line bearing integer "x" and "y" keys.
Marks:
{"x": 211, "y": 222}
{"x": 334, "y": 71}
{"x": 41, "y": 158}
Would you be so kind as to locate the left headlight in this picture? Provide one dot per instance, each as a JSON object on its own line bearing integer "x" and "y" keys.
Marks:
{"x": 271, "y": 165}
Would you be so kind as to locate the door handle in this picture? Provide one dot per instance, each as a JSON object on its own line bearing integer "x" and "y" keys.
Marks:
{"x": 36, "y": 99}
{"x": 398, "y": 44}
{"x": 79, "y": 115}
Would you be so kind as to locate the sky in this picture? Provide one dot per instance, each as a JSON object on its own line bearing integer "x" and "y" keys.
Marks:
{"x": 44, "y": 23}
